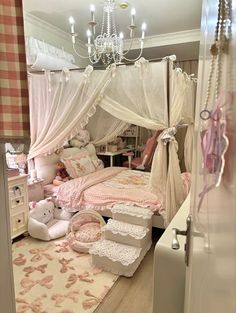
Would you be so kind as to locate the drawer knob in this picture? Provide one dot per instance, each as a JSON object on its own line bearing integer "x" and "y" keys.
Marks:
{"x": 16, "y": 188}
{"x": 17, "y": 201}
{"x": 19, "y": 221}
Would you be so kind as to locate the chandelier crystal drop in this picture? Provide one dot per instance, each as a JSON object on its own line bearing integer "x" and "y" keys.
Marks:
{"x": 108, "y": 46}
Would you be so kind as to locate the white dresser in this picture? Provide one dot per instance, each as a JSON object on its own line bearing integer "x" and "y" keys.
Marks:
{"x": 18, "y": 204}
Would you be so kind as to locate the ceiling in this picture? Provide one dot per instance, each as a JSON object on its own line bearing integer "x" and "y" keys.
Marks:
{"x": 161, "y": 16}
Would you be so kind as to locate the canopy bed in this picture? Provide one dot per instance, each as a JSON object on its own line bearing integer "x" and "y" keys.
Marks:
{"x": 155, "y": 95}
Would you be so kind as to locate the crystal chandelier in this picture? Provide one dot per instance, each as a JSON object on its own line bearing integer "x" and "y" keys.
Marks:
{"x": 108, "y": 47}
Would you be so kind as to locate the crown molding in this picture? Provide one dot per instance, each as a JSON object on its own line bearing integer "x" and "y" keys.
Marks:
{"x": 30, "y": 18}
{"x": 167, "y": 39}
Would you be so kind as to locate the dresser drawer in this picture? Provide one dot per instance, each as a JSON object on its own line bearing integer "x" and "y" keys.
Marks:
{"x": 18, "y": 222}
{"x": 17, "y": 202}
{"x": 16, "y": 190}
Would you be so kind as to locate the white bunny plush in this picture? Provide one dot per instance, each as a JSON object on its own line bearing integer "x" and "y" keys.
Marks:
{"x": 44, "y": 221}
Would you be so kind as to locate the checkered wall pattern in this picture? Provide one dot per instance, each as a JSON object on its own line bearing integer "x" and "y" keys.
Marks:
{"x": 14, "y": 101}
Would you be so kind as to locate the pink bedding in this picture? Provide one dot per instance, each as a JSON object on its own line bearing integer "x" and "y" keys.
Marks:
{"x": 50, "y": 190}
{"x": 102, "y": 189}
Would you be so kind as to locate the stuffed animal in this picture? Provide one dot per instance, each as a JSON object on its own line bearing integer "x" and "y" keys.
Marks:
{"x": 81, "y": 139}
{"x": 45, "y": 221}
{"x": 62, "y": 175}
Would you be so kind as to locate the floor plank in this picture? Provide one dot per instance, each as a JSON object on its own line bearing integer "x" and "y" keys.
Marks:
{"x": 132, "y": 295}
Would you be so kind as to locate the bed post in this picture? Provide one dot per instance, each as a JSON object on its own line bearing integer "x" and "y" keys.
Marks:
{"x": 168, "y": 104}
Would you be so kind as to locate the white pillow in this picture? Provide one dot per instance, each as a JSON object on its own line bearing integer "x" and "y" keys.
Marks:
{"x": 46, "y": 167}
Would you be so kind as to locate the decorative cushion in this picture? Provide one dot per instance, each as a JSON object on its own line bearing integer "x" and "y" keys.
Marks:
{"x": 89, "y": 232}
{"x": 46, "y": 165}
{"x": 79, "y": 165}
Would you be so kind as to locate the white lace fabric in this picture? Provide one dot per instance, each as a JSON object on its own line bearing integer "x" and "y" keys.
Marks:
{"x": 132, "y": 210}
{"x": 116, "y": 252}
{"x": 126, "y": 229}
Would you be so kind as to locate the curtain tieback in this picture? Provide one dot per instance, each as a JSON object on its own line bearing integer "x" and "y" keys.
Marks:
{"x": 168, "y": 135}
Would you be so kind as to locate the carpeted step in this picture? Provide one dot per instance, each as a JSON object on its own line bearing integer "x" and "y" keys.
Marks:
{"x": 132, "y": 214}
{"x": 117, "y": 258}
{"x": 129, "y": 234}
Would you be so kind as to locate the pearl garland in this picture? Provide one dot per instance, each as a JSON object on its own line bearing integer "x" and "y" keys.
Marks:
{"x": 218, "y": 49}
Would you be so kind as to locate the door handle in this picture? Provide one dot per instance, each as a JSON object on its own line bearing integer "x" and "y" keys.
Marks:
{"x": 175, "y": 242}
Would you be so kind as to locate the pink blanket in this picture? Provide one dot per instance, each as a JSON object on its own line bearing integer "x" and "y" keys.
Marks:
{"x": 108, "y": 186}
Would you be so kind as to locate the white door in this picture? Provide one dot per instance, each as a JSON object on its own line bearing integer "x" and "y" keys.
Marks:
{"x": 211, "y": 274}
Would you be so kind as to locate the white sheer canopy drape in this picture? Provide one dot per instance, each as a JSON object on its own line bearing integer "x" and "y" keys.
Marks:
{"x": 166, "y": 178}
{"x": 104, "y": 127}
{"x": 60, "y": 104}
{"x": 137, "y": 94}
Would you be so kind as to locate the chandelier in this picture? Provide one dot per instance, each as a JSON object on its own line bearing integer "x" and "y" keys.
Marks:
{"x": 108, "y": 46}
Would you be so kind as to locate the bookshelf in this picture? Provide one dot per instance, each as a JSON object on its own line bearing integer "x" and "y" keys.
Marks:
{"x": 131, "y": 135}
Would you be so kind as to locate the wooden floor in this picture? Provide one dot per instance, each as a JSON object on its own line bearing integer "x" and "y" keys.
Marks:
{"x": 132, "y": 295}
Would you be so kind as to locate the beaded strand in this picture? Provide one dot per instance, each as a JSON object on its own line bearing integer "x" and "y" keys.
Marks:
{"x": 218, "y": 48}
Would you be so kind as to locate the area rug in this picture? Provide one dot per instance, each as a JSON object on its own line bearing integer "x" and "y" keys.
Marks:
{"x": 50, "y": 277}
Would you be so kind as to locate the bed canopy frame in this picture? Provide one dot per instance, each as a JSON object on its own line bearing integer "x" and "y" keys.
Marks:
{"x": 154, "y": 95}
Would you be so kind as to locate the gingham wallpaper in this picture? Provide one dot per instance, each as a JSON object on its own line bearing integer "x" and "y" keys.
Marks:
{"x": 14, "y": 105}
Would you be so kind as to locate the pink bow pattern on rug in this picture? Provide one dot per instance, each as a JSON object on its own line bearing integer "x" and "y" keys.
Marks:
{"x": 65, "y": 267}
{"x": 93, "y": 300}
{"x": 59, "y": 298}
{"x": 39, "y": 253}
{"x": 63, "y": 246}
{"x": 35, "y": 306}
{"x": 20, "y": 260}
{"x": 28, "y": 283}
{"x": 72, "y": 279}
{"x": 31, "y": 269}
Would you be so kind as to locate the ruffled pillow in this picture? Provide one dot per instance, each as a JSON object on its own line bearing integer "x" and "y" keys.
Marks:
{"x": 79, "y": 165}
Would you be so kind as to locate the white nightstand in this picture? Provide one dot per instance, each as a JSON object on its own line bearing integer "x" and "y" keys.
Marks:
{"x": 18, "y": 204}
{"x": 35, "y": 190}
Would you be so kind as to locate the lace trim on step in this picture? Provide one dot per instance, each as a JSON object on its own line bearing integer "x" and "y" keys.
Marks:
{"x": 116, "y": 252}
{"x": 124, "y": 271}
{"x": 126, "y": 229}
{"x": 132, "y": 210}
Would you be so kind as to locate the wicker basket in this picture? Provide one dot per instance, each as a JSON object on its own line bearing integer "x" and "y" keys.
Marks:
{"x": 81, "y": 246}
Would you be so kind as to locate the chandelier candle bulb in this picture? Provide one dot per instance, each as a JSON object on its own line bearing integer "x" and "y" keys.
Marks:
{"x": 133, "y": 12}
{"x": 89, "y": 36}
{"x": 72, "y": 24}
{"x": 144, "y": 27}
{"x": 121, "y": 35}
{"x": 92, "y": 10}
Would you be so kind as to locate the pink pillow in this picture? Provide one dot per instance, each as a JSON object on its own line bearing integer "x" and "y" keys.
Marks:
{"x": 79, "y": 165}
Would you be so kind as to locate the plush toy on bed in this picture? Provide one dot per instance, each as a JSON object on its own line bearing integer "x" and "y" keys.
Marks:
{"x": 46, "y": 222}
{"x": 81, "y": 139}
{"x": 62, "y": 175}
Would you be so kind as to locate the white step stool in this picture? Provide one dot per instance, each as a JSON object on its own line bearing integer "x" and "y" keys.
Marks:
{"x": 132, "y": 214}
{"x": 126, "y": 233}
{"x": 127, "y": 238}
{"x": 117, "y": 258}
